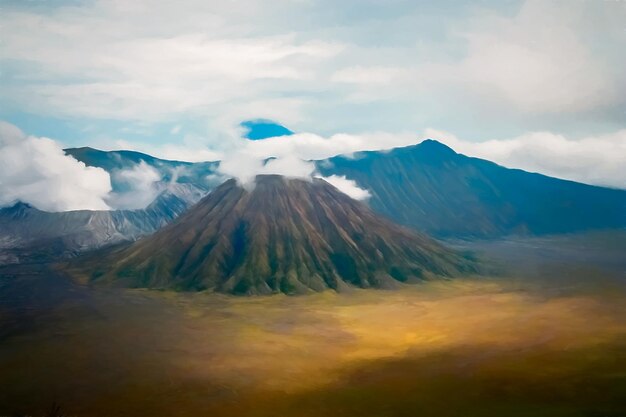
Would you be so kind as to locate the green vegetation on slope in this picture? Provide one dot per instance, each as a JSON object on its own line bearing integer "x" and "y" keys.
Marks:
{"x": 286, "y": 235}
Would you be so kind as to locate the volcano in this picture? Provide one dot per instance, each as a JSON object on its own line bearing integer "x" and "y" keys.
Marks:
{"x": 284, "y": 235}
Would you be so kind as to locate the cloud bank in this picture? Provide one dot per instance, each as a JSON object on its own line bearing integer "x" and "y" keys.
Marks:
{"x": 37, "y": 171}
{"x": 136, "y": 76}
{"x": 323, "y": 66}
{"x": 596, "y": 160}
{"x": 140, "y": 185}
{"x": 293, "y": 156}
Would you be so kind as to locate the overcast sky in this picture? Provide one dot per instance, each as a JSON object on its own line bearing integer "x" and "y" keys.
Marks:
{"x": 539, "y": 85}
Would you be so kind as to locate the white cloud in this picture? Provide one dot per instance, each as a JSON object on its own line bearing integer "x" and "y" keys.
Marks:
{"x": 248, "y": 162}
{"x": 99, "y": 61}
{"x": 289, "y": 166}
{"x": 535, "y": 61}
{"x": 597, "y": 160}
{"x": 189, "y": 151}
{"x": 291, "y": 155}
{"x": 309, "y": 146}
{"x": 347, "y": 186}
{"x": 327, "y": 67}
{"x": 548, "y": 59}
{"x": 370, "y": 75}
{"x": 315, "y": 63}
{"x": 140, "y": 186}
{"x": 37, "y": 171}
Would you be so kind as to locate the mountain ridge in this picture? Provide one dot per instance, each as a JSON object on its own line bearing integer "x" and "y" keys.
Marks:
{"x": 427, "y": 186}
{"x": 430, "y": 187}
{"x": 29, "y": 234}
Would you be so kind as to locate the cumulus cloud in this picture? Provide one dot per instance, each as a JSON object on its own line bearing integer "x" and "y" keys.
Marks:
{"x": 36, "y": 171}
{"x": 347, "y": 186}
{"x": 138, "y": 187}
{"x": 249, "y": 161}
{"x": 310, "y": 146}
{"x": 292, "y": 155}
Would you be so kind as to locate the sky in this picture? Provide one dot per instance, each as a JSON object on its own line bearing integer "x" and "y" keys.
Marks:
{"x": 537, "y": 85}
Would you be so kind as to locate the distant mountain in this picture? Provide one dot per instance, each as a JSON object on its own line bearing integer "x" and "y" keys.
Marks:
{"x": 286, "y": 235}
{"x": 28, "y": 234}
{"x": 428, "y": 187}
{"x": 432, "y": 188}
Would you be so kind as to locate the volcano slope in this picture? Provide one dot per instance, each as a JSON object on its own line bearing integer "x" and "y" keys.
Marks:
{"x": 282, "y": 236}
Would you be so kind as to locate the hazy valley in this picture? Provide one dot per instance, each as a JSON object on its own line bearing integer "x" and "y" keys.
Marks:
{"x": 446, "y": 291}
{"x": 545, "y": 337}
